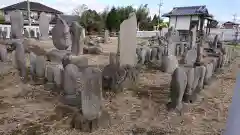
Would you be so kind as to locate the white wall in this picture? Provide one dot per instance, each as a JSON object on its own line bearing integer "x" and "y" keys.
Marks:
{"x": 172, "y": 21}
{"x": 8, "y": 29}
{"x": 226, "y": 34}
{"x": 183, "y": 22}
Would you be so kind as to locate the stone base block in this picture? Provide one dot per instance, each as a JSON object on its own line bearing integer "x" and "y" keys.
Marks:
{"x": 71, "y": 100}
{"x": 49, "y": 86}
{"x": 38, "y": 80}
{"x": 84, "y": 125}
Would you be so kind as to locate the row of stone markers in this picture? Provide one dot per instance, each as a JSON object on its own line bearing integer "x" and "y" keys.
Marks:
{"x": 197, "y": 69}
{"x": 59, "y": 69}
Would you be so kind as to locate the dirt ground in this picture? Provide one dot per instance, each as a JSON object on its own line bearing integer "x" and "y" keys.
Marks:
{"x": 31, "y": 110}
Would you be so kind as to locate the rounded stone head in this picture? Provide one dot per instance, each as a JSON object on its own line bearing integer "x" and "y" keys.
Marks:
{"x": 60, "y": 34}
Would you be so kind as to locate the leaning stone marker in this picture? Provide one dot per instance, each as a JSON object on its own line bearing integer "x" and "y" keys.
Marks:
{"x": 128, "y": 41}
{"x": 44, "y": 26}
{"x": 77, "y": 38}
{"x": 16, "y": 19}
{"x": 190, "y": 57}
{"x": 177, "y": 89}
{"x": 91, "y": 93}
{"x": 60, "y": 35}
{"x": 106, "y": 36}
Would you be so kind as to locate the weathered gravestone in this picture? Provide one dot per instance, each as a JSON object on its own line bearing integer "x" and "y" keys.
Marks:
{"x": 169, "y": 61}
{"x": 177, "y": 89}
{"x": 128, "y": 41}
{"x": 44, "y": 26}
{"x": 40, "y": 69}
{"x": 20, "y": 59}
{"x": 77, "y": 38}
{"x": 106, "y": 36}
{"x": 199, "y": 75}
{"x": 16, "y": 19}
{"x": 209, "y": 73}
{"x": 190, "y": 57}
{"x": 60, "y": 34}
{"x": 194, "y": 37}
{"x": 90, "y": 87}
{"x": 3, "y": 53}
{"x": 32, "y": 57}
{"x": 49, "y": 75}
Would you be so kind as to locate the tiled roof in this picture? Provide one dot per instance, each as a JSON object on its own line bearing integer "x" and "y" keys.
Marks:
{"x": 192, "y": 10}
{"x": 229, "y": 22}
{"x": 68, "y": 18}
{"x": 34, "y": 6}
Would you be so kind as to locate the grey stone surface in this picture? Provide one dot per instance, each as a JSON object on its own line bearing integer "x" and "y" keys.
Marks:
{"x": 177, "y": 88}
{"x": 49, "y": 72}
{"x": 208, "y": 74}
{"x": 215, "y": 64}
{"x": 57, "y": 55}
{"x": 109, "y": 76}
{"x": 32, "y": 58}
{"x": 190, "y": 57}
{"x": 190, "y": 79}
{"x": 154, "y": 54}
{"x": 44, "y": 21}
{"x": 194, "y": 37}
{"x": 169, "y": 63}
{"x": 20, "y": 59}
{"x": 90, "y": 86}
{"x": 92, "y": 50}
{"x": 215, "y": 41}
{"x": 60, "y": 34}
{"x": 79, "y": 61}
{"x": 3, "y": 53}
{"x": 199, "y": 74}
{"x": 77, "y": 39}
{"x": 69, "y": 81}
{"x": 128, "y": 41}
{"x": 58, "y": 75}
{"x": 16, "y": 19}
{"x": 40, "y": 66}
{"x": 106, "y": 36}
{"x": 14, "y": 61}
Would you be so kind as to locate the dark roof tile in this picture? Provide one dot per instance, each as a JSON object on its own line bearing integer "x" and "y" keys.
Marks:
{"x": 191, "y": 10}
{"x": 35, "y": 6}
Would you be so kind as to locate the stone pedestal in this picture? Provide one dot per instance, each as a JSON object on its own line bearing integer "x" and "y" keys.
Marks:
{"x": 169, "y": 63}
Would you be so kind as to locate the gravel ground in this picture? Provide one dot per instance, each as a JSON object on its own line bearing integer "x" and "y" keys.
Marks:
{"x": 26, "y": 109}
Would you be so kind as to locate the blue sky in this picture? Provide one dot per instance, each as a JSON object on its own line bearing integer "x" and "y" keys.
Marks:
{"x": 223, "y": 10}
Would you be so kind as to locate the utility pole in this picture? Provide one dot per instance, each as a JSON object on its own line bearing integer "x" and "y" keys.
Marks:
{"x": 159, "y": 11}
{"x": 234, "y": 18}
{"x": 237, "y": 30}
{"x": 29, "y": 16}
